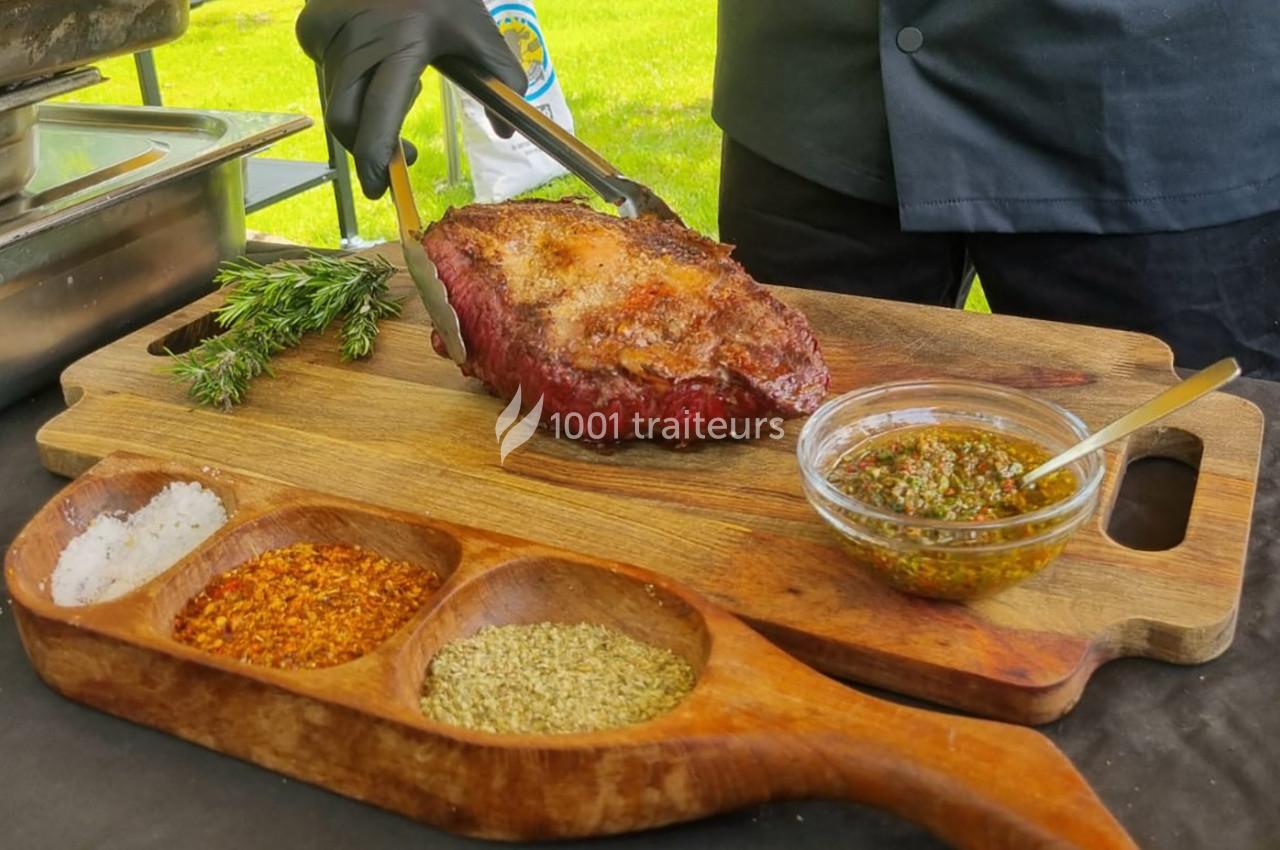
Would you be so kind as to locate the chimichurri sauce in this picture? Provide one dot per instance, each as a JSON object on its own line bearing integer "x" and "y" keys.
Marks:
{"x": 949, "y": 473}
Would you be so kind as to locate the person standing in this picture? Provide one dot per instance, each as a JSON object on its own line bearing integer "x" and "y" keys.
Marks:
{"x": 1105, "y": 162}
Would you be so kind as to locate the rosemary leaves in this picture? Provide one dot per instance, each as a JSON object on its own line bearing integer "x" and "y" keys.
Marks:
{"x": 270, "y": 308}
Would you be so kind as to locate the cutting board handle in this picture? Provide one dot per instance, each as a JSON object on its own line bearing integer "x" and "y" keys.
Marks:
{"x": 976, "y": 784}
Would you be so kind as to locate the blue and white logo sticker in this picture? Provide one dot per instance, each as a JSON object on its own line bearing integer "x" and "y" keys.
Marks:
{"x": 518, "y": 24}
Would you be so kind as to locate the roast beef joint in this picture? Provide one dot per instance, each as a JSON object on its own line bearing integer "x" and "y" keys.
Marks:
{"x": 636, "y": 323}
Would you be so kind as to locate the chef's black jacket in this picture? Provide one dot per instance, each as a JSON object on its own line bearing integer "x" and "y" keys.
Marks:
{"x": 1092, "y": 116}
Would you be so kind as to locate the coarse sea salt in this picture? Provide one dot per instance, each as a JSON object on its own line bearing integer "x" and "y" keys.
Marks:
{"x": 120, "y": 552}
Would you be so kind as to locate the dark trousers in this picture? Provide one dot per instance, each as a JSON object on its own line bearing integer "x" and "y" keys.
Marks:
{"x": 1208, "y": 293}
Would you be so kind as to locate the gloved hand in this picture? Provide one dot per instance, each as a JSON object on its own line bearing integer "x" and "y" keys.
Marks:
{"x": 372, "y": 53}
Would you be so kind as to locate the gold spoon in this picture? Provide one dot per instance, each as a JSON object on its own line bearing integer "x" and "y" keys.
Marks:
{"x": 1176, "y": 397}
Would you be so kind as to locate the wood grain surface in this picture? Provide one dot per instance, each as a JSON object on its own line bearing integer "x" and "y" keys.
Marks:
{"x": 405, "y": 430}
{"x": 758, "y": 725}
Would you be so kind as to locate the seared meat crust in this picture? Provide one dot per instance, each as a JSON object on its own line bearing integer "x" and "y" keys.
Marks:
{"x": 642, "y": 318}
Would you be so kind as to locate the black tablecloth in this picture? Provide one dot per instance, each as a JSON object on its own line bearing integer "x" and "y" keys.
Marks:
{"x": 1187, "y": 757}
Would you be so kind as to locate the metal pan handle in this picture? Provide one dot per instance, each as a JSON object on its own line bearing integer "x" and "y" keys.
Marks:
{"x": 632, "y": 198}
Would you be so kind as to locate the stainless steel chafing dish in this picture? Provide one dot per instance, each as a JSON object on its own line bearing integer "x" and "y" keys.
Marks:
{"x": 42, "y": 39}
{"x": 39, "y": 37}
{"x": 109, "y": 216}
{"x": 127, "y": 215}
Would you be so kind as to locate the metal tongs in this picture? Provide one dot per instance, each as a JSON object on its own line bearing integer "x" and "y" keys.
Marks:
{"x": 632, "y": 199}
{"x": 425, "y": 278}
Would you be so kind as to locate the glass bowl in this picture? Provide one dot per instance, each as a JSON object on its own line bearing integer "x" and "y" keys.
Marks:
{"x": 937, "y": 558}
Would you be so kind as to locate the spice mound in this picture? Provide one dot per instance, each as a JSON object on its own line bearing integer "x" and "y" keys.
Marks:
{"x": 552, "y": 678}
{"x": 953, "y": 474}
{"x": 120, "y": 552}
{"x": 304, "y": 606}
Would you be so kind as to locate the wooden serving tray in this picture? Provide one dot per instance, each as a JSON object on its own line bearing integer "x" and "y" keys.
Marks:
{"x": 757, "y": 726}
{"x": 406, "y": 431}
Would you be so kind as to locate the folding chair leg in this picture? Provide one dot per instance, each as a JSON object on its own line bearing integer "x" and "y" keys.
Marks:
{"x": 148, "y": 79}
{"x": 348, "y": 227}
{"x": 342, "y": 194}
{"x": 453, "y": 158}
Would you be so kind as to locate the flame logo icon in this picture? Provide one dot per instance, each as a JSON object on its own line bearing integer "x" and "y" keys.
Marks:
{"x": 520, "y": 432}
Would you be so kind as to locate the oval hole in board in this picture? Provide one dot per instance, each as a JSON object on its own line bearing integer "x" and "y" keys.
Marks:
{"x": 1162, "y": 468}
{"x": 187, "y": 337}
{"x": 183, "y": 339}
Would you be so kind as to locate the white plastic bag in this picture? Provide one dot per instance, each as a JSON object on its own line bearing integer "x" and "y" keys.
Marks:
{"x": 502, "y": 168}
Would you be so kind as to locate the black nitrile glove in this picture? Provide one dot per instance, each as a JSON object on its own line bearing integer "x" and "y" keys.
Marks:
{"x": 372, "y": 53}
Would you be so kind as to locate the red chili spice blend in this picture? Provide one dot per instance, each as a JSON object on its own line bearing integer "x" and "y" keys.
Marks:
{"x": 304, "y": 606}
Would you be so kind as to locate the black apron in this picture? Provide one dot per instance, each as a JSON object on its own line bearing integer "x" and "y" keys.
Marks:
{"x": 1086, "y": 116}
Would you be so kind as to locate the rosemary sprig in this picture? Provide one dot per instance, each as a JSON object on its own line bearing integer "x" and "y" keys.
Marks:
{"x": 270, "y": 308}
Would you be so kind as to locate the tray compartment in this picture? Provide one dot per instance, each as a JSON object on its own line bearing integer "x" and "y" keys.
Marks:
{"x": 545, "y": 588}
{"x": 305, "y": 521}
{"x": 81, "y": 502}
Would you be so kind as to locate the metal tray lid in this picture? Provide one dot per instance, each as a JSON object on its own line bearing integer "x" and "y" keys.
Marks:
{"x": 92, "y": 156}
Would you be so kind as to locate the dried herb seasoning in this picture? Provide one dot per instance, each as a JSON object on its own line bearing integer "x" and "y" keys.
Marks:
{"x": 550, "y": 678}
{"x": 304, "y": 606}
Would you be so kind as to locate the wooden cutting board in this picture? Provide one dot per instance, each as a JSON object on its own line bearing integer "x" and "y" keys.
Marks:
{"x": 405, "y": 430}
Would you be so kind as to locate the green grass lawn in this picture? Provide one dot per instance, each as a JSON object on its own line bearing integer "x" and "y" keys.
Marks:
{"x": 651, "y": 118}
{"x": 637, "y": 75}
